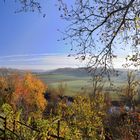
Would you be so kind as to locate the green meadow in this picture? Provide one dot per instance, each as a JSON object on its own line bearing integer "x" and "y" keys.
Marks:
{"x": 80, "y": 84}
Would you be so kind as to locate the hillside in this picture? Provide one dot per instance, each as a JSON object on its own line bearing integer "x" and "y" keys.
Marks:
{"x": 78, "y": 72}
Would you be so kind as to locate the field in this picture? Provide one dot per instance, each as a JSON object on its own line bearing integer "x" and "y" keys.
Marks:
{"x": 74, "y": 84}
{"x": 80, "y": 84}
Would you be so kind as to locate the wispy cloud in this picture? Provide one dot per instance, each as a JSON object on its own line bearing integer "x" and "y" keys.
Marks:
{"x": 29, "y": 55}
{"x": 46, "y": 61}
{"x": 38, "y": 61}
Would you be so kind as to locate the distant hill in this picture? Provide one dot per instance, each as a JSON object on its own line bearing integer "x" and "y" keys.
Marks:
{"x": 20, "y": 71}
{"x": 77, "y": 72}
{"x": 7, "y": 71}
{"x": 69, "y": 73}
{"x": 81, "y": 72}
{"x": 121, "y": 75}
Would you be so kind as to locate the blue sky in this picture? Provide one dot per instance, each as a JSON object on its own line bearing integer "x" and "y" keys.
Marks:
{"x": 29, "y": 41}
{"x": 25, "y": 33}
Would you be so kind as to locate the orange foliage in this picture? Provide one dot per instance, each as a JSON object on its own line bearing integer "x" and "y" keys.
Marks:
{"x": 7, "y": 87}
{"x": 23, "y": 91}
{"x": 29, "y": 90}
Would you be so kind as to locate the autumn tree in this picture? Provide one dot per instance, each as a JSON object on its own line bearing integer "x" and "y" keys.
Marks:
{"x": 131, "y": 90}
{"x": 62, "y": 88}
{"x": 84, "y": 117}
{"x": 23, "y": 91}
{"x": 29, "y": 94}
{"x": 97, "y": 85}
{"x": 7, "y": 86}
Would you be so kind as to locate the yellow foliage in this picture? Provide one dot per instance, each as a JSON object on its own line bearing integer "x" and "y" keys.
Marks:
{"x": 27, "y": 92}
{"x": 85, "y": 115}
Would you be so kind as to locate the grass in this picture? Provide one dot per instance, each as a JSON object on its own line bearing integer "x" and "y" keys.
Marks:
{"x": 74, "y": 86}
{"x": 77, "y": 84}
{"x": 56, "y": 78}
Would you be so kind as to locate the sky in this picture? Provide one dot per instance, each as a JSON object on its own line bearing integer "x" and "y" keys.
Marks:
{"x": 29, "y": 41}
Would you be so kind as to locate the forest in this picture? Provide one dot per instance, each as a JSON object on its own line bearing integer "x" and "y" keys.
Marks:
{"x": 33, "y": 110}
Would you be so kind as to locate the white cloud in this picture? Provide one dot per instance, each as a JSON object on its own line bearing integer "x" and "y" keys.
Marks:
{"x": 46, "y": 61}
{"x": 38, "y": 61}
{"x": 118, "y": 62}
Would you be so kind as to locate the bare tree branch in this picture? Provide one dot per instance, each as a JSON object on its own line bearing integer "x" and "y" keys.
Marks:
{"x": 98, "y": 26}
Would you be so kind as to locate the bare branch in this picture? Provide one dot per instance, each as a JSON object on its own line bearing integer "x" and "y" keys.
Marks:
{"x": 97, "y": 27}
